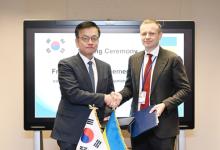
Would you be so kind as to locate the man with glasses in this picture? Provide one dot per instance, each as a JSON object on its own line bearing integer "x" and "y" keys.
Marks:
{"x": 156, "y": 77}
{"x": 84, "y": 80}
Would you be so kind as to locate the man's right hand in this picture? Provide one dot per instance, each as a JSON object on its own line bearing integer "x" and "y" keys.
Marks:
{"x": 112, "y": 100}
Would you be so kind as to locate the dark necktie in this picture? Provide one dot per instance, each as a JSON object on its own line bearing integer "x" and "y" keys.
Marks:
{"x": 91, "y": 74}
{"x": 147, "y": 77}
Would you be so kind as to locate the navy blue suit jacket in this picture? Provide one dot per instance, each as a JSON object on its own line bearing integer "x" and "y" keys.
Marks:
{"x": 77, "y": 95}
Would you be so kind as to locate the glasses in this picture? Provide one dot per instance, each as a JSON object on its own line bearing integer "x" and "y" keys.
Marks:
{"x": 87, "y": 38}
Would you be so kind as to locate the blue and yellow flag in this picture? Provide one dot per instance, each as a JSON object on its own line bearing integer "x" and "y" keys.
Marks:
{"x": 112, "y": 134}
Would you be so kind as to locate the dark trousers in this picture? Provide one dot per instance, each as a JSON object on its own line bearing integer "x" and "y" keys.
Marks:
{"x": 149, "y": 141}
{"x": 66, "y": 146}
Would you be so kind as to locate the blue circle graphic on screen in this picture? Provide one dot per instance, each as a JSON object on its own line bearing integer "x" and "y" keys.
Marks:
{"x": 87, "y": 136}
{"x": 55, "y": 45}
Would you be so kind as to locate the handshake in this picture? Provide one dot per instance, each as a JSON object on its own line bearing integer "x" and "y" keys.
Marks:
{"x": 113, "y": 100}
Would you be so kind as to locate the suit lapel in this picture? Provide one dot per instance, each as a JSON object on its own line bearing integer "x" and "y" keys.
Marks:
{"x": 99, "y": 73}
{"x": 137, "y": 68}
{"x": 158, "y": 69}
{"x": 84, "y": 72}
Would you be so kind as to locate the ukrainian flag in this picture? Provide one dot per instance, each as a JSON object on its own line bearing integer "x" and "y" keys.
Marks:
{"x": 112, "y": 134}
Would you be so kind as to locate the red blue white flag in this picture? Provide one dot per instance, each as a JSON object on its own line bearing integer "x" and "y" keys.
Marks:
{"x": 92, "y": 138}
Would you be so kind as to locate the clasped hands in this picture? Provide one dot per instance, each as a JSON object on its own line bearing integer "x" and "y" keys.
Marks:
{"x": 113, "y": 100}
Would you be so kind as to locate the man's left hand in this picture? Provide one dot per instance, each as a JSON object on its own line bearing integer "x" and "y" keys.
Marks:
{"x": 159, "y": 108}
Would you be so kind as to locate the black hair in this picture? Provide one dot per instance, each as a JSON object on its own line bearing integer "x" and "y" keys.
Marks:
{"x": 86, "y": 24}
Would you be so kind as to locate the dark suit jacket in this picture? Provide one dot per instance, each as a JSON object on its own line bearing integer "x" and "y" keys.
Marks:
{"x": 169, "y": 85}
{"x": 77, "y": 94}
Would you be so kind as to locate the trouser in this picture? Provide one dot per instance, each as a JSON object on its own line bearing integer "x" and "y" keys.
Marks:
{"x": 149, "y": 141}
{"x": 66, "y": 146}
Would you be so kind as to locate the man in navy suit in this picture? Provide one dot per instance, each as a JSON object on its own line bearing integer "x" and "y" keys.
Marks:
{"x": 79, "y": 89}
{"x": 167, "y": 88}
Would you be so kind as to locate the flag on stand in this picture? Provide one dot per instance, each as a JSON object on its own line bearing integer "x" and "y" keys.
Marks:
{"x": 92, "y": 138}
{"x": 112, "y": 134}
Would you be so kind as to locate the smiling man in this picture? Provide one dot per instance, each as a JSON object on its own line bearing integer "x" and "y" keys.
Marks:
{"x": 156, "y": 77}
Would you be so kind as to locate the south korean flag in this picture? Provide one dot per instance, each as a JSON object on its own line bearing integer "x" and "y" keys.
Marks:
{"x": 92, "y": 138}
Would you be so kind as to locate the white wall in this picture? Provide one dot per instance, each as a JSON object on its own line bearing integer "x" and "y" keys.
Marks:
{"x": 205, "y": 14}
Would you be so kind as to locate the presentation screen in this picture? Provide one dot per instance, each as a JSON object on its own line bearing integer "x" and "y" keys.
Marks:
{"x": 47, "y": 42}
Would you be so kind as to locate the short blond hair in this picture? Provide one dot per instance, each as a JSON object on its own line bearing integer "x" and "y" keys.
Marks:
{"x": 148, "y": 21}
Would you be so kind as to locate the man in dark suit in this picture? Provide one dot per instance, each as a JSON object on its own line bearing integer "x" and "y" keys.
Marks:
{"x": 84, "y": 80}
{"x": 168, "y": 87}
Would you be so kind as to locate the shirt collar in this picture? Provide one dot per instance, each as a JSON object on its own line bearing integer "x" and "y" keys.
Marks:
{"x": 85, "y": 59}
{"x": 154, "y": 52}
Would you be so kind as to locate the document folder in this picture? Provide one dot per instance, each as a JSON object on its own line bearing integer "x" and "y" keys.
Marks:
{"x": 144, "y": 121}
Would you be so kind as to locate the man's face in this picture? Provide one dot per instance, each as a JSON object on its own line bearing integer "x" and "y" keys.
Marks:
{"x": 150, "y": 35}
{"x": 88, "y": 41}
